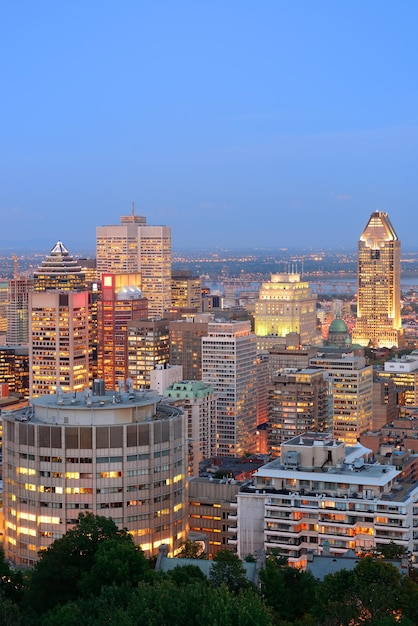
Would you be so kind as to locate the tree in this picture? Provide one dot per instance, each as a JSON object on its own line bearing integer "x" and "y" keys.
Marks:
{"x": 288, "y": 591}
{"x": 227, "y": 568}
{"x": 192, "y": 550}
{"x": 77, "y": 562}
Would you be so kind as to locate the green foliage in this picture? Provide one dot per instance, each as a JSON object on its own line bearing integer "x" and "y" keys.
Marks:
{"x": 186, "y": 575}
{"x": 191, "y": 550}
{"x": 228, "y": 569}
{"x": 288, "y": 591}
{"x": 93, "y": 554}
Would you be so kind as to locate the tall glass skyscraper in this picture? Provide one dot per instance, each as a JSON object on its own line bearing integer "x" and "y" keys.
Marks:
{"x": 379, "y": 285}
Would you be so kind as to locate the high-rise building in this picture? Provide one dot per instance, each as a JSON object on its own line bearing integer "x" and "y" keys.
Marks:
{"x": 379, "y": 285}
{"x": 298, "y": 402}
{"x": 18, "y": 311}
{"x": 403, "y": 371}
{"x": 59, "y": 271}
{"x": 135, "y": 247}
{"x": 286, "y": 305}
{"x": 14, "y": 369}
{"x": 228, "y": 364}
{"x": 186, "y": 343}
{"x": 186, "y": 290}
{"x": 198, "y": 401}
{"x": 119, "y": 455}
{"x": 148, "y": 346}
{"x": 4, "y": 292}
{"x": 59, "y": 350}
{"x": 154, "y": 249}
{"x": 121, "y": 302}
{"x": 351, "y": 391}
{"x": 117, "y": 246}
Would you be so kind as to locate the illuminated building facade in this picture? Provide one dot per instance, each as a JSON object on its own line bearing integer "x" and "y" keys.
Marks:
{"x": 59, "y": 349}
{"x": 212, "y": 503}
{"x": 148, "y": 346}
{"x": 117, "y": 246}
{"x": 403, "y": 371}
{"x": 379, "y": 285}
{"x": 186, "y": 290}
{"x": 117, "y": 455}
{"x": 59, "y": 271}
{"x": 198, "y": 401}
{"x": 4, "y": 292}
{"x": 228, "y": 364}
{"x": 298, "y": 402}
{"x": 121, "y": 302}
{"x": 286, "y": 305}
{"x": 186, "y": 344}
{"x": 18, "y": 311}
{"x": 133, "y": 247}
{"x": 154, "y": 249}
{"x": 351, "y": 390}
{"x": 321, "y": 492}
{"x": 14, "y": 369}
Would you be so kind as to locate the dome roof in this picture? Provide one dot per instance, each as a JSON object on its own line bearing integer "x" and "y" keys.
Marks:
{"x": 129, "y": 293}
{"x": 338, "y": 326}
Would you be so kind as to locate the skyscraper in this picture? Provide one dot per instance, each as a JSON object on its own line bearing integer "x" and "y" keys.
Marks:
{"x": 122, "y": 301}
{"x": 59, "y": 353}
{"x": 133, "y": 246}
{"x": 286, "y": 305}
{"x": 379, "y": 285}
{"x": 59, "y": 271}
{"x": 228, "y": 364}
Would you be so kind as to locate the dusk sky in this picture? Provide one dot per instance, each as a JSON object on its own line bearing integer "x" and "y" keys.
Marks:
{"x": 238, "y": 123}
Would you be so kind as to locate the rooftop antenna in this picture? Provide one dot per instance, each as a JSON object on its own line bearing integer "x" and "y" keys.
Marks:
{"x": 133, "y": 208}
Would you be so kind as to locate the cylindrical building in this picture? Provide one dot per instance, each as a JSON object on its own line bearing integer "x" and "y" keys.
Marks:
{"x": 121, "y": 455}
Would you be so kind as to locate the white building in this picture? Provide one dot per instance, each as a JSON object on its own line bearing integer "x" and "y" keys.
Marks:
{"x": 162, "y": 376}
{"x": 118, "y": 454}
{"x": 322, "y": 491}
{"x": 228, "y": 364}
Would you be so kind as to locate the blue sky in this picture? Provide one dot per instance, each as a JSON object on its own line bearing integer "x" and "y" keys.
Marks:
{"x": 237, "y": 123}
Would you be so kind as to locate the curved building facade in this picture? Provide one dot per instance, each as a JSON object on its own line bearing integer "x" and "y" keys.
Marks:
{"x": 121, "y": 455}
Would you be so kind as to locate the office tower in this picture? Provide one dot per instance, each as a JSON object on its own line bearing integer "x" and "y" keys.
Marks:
{"x": 351, "y": 390}
{"x": 59, "y": 271}
{"x": 59, "y": 341}
{"x": 198, "y": 401}
{"x": 321, "y": 491}
{"x": 14, "y": 369}
{"x": 186, "y": 344}
{"x": 4, "y": 289}
{"x": 154, "y": 249}
{"x": 133, "y": 246}
{"x": 379, "y": 285}
{"x": 122, "y": 302}
{"x": 186, "y": 290}
{"x": 148, "y": 346}
{"x": 298, "y": 402}
{"x": 88, "y": 267}
{"x": 286, "y": 305}
{"x": 117, "y": 246}
{"x": 228, "y": 364}
{"x": 119, "y": 455}
{"x": 18, "y": 311}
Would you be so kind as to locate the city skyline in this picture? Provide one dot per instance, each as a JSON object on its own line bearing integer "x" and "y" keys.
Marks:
{"x": 276, "y": 125}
